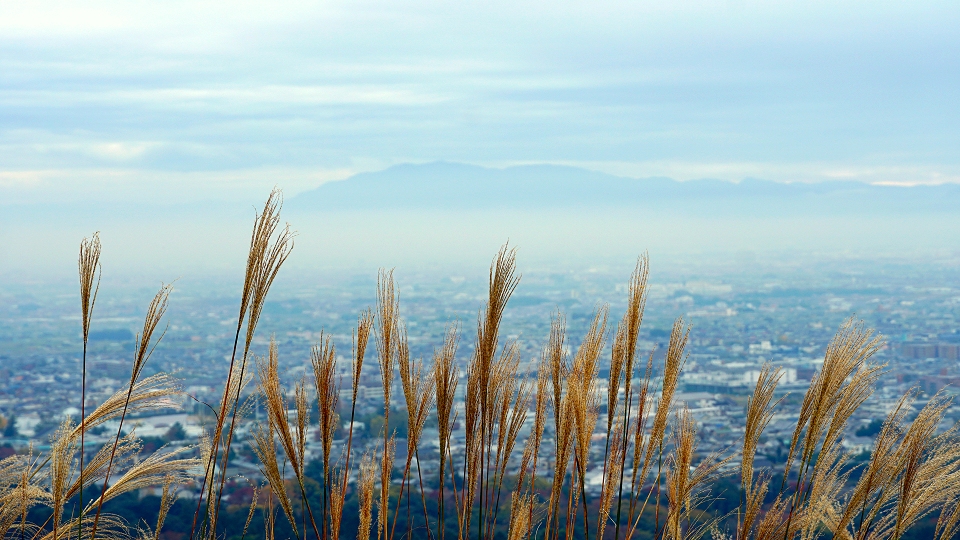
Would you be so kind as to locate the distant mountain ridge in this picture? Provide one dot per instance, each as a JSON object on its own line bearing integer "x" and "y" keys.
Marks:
{"x": 455, "y": 186}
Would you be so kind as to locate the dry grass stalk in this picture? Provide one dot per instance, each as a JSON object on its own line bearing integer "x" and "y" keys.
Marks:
{"x": 931, "y": 468}
{"x": 539, "y": 419}
{"x": 672, "y": 367}
{"x": 473, "y": 451}
{"x": 820, "y": 509}
{"x": 303, "y": 417}
{"x": 611, "y": 480}
{"x": 633, "y": 317}
{"x": 911, "y": 472}
{"x": 151, "y": 393}
{"x": 624, "y": 353}
{"x": 586, "y": 361}
{"x": 639, "y": 425}
{"x": 683, "y": 486}
{"x": 368, "y": 476}
{"x": 269, "y": 518}
{"x": 947, "y": 522}
{"x": 573, "y": 500}
{"x": 618, "y": 357}
{"x": 127, "y": 449}
{"x": 752, "y": 506}
{"x": 513, "y": 406}
{"x": 555, "y": 356}
{"x": 523, "y": 498}
{"x": 842, "y": 385}
{"x": 268, "y": 251}
{"x": 266, "y": 449}
{"x": 446, "y": 376}
{"x": 276, "y": 404}
{"x": 584, "y": 375}
{"x": 20, "y": 490}
{"x": 846, "y": 354}
{"x": 503, "y": 282}
{"x": 145, "y": 347}
{"x": 856, "y": 392}
{"x": 531, "y": 447}
{"x": 521, "y": 507}
{"x": 111, "y": 528}
{"x": 418, "y": 392}
{"x": 88, "y": 265}
{"x": 386, "y": 466}
{"x": 488, "y": 378}
{"x": 759, "y": 414}
{"x": 630, "y": 327}
{"x": 635, "y": 424}
{"x": 323, "y": 360}
{"x": 625, "y": 344}
{"x": 361, "y": 339}
{"x": 496, "y": 377}
{"x": 167, "y": 498}
{"x": 880, "y": 472}
{"x": 301, "y": 404}
{"x": 505, "y": 385}
{"x": 678, "y": 482}
{"x": 553, "y": 361}
{"x": 512, "y": 418}
{"x": 771, "y": 525}
{"x": 581, "y": 389}
{"x": 254, "y": 499}
{"x": 337, "y": 500}
{"x": 386, "y": 328}
{"x": 153, "y": 470}
{"x": 62, "y": 450}
{"x": 565, "y": 438}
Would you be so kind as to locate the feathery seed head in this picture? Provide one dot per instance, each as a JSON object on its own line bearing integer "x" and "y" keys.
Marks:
{"x": 368, "y": 476}
{"x": 323, "y": 359}
{"x": 89, "y": 269}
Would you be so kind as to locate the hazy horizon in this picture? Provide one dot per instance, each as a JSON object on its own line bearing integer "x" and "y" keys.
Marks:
{"x": 163, "y": 125}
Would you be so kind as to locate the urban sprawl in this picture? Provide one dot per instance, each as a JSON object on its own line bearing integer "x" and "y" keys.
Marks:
{"x": 740, "y": 320}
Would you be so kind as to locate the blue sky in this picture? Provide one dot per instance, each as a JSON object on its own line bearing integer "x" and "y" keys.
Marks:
{"x": 185, "y": 100}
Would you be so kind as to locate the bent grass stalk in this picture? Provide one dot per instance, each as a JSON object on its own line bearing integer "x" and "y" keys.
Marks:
{"x": 145, "y": 348}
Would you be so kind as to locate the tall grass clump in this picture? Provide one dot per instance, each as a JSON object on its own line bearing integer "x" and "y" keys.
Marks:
{"x": 522, "y": 470}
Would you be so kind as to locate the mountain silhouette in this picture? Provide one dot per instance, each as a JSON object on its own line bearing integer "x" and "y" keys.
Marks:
{"x": 456, "y": 186}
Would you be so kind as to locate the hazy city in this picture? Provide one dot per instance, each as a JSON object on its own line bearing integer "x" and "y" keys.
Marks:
{"x": 739, "y": 322}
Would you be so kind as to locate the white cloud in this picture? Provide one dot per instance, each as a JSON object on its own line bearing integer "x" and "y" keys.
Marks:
{"x": 117, "y": 185}
{"x": 777, "y": 171}
{"x": 800, "y": 91}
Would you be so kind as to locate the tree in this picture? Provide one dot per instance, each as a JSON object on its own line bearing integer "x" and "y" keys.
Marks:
{"x": 175, "y": 433}
{"x": 10, "y": 431}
